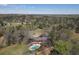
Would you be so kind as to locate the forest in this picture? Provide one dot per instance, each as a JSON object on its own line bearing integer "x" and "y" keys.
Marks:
{"x": 22, "y": 34}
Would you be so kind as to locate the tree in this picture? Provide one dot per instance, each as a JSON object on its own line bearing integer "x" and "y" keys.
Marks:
{"x": 63, "y": 47}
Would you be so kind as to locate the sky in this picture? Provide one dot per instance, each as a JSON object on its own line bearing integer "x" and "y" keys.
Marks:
{"x": 39, "y": 8}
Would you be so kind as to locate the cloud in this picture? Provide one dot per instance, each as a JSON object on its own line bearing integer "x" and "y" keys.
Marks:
{"x": 3, "y": 4}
